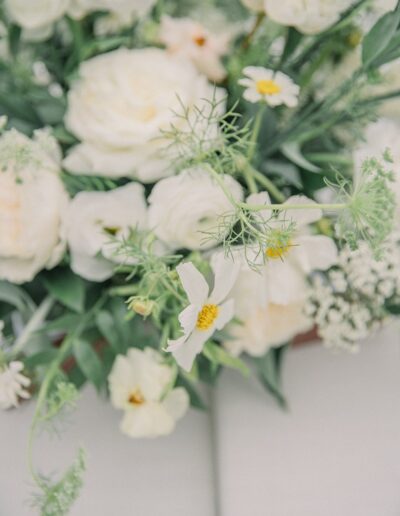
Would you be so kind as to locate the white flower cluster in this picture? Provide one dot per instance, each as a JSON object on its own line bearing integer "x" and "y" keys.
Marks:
{"x": 348, "y": 302}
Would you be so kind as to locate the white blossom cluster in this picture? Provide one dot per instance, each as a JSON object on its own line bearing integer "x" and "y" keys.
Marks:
{"x": 348, "y": 302}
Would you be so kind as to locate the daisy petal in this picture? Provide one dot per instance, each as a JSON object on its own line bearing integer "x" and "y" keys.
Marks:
{"x": 225, "y": 274}
{"x": 193, "y": 282}
{"x": 315, "y": 252}
{"x": 186, "y": 353}
{"x": 188, "y": 318}
{"x": 225, "y": 314}
{"x": 173, "y": 345}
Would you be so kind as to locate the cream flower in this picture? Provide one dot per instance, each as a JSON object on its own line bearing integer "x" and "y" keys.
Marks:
{"x": 275, "y": 88}
{"x": 140, "y": 385}
{"x": 308, "y": 16}
{"x": 190, "y": 39}
{"x": 287, "y": 267}
{"x": 36, "y": 16}
{"x": 13, "y": 385}
{"x": 185, "y": 207}
{"x": 206, "y": 312}
{"x": 32, "y": 199}
{"x": 93, "y": 219}
{"x": 118, "y": 108}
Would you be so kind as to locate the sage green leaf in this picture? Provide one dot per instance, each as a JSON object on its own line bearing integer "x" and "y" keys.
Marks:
{"x": 380, "y": 36}
{"x": 293, "y": 153}
{"x": 66, "y": 287}
{"x": 219, "y": 356}
{"x": 89, "y": 362}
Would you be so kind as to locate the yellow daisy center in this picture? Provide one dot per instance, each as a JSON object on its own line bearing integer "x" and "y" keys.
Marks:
{"x": 136, "y": 397}
{"x": 278, "y": 251}
{"x": 207, "y": 316}
{"x": 268, "y": 87}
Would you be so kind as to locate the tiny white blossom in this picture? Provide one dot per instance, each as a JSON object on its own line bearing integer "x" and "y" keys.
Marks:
{"x": 206, "y": 312}
{"x": 140, "y": 385}
{"x": 13, "y": 385}
{"x": 275, "y": 88}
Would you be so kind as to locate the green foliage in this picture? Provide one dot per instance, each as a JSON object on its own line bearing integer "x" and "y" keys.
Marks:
{"x": 77, "y": 183}
{"x": 66, "y": 287}
{"x": 379, "y": 38}
{"x": 63, "y": 397}
{"x": 269, "y": 369}
{"x": 89, "y": 362}
{"x": 57, "y": 497}
{"x": 220, "y": 357}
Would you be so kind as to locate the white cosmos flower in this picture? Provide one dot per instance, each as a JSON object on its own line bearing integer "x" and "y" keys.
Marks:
{"x": 308, "y": 16}
{"x": 207, "y": 312}
{"x": 13, "y": 385}
{"x": 190, "y": 39}
{"x": 184, "y": 207}
{"x": 287, "y": 267}
{"x": 140, "y": 385}
{"x": 275, "y": 88}
{"x": 32, "y": 200}
{"x": 93, "y": 219}
{"x": 119, "y": 107}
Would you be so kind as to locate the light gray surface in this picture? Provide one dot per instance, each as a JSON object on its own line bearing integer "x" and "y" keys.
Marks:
{"x": 335, "y": 453}
{"x": 125, "y": 477}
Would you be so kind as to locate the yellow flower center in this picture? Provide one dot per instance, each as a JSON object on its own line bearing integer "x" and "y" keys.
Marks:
{"x": 207, "y": 316}
{"x": 200, "y": 40}
{"x": 268, "y": 87}
{"x": 278, "y": 251}
{"x": 136, "y": 397}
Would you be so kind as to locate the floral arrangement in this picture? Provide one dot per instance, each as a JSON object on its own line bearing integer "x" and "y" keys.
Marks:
{"x": 189, "y": 187}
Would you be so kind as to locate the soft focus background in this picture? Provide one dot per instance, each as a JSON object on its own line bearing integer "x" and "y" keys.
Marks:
{"x": 335, "y": 452}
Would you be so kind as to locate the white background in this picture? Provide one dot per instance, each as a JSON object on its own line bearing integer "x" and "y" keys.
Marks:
{"x": 336, "y": 452}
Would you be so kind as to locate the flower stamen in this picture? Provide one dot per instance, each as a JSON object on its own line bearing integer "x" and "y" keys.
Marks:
{"x": 136, "y": 397}
{"x": 268, "y": 87}
{"x": 207, "y": 316}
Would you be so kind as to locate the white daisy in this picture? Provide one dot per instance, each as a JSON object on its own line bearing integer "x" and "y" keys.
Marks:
{"x": 140, "y": 385}
{"x": 275, "y": 88}
{"x": 13, "y": 385}
{"x": 288, "y": 266}
{"x": 206, "y": 312}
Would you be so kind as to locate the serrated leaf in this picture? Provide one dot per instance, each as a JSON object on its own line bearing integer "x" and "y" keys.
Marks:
{"x": 219, "y": 356}
{"x": 293, "y": 153}
{"x": 380, "y": 36}
{"x": 89, "y": 362}
{"x": 66, "y": 287}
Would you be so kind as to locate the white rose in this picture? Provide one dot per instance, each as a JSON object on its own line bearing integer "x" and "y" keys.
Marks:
{"x": 32, "y": 198}
{"x": 92, "y": 221}
{"x": 119, "y": 107}
{"x": 140, "y": 385}
{"x": 36, "y": 17}
{"x": 190, "y": 39}
{"x": 125, "y": 9}
{"x": 308, "y": 16}
{"x": 185, "y": 207}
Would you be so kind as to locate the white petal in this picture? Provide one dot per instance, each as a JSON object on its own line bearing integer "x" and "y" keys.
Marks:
{"x": 193, "y": 282}
{"x": 188, "y": 318}
{"x": 305, "y": 216}
{"x": 258, "y": 199}
{"x": 186, "y": 353}
{"x": 177, "y": 402}
{"x": 252, "y": 95}
{"x": 225, "y": 314}
{"x": 148, "y": 420}
{"x": 286, "y": 283}
{"x": 174, "y": 345}
{"x": 225, "y": 274}
{"x": 92, "y": 268}
{"x": 315, "y": 252}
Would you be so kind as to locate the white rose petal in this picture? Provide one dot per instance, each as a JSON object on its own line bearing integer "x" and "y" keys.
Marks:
{"x": 185, "y": 207}
{"x": 32, "y": 200}
{"x": 119, "y": 107}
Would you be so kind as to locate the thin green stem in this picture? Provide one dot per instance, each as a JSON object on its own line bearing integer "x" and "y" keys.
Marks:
{"x": 287, "y": 207}
{"x": 268, "y": 184}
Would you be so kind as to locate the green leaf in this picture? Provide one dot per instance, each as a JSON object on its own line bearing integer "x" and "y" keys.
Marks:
{"x": 89, "y": 362}
{"x": 393, "y": 308}
{"x": 66, "y": 287}
{"x": 64, "y": 323}
{"x": 380, "y": 36}
{"x": 17, "y": 297}
{"x": 218, "y": 356}
{"x": 293, "y": 153}
{"x": 269, "y": 371}
{"x": 106, "y": 325}
{"x": 41, "y": 358}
